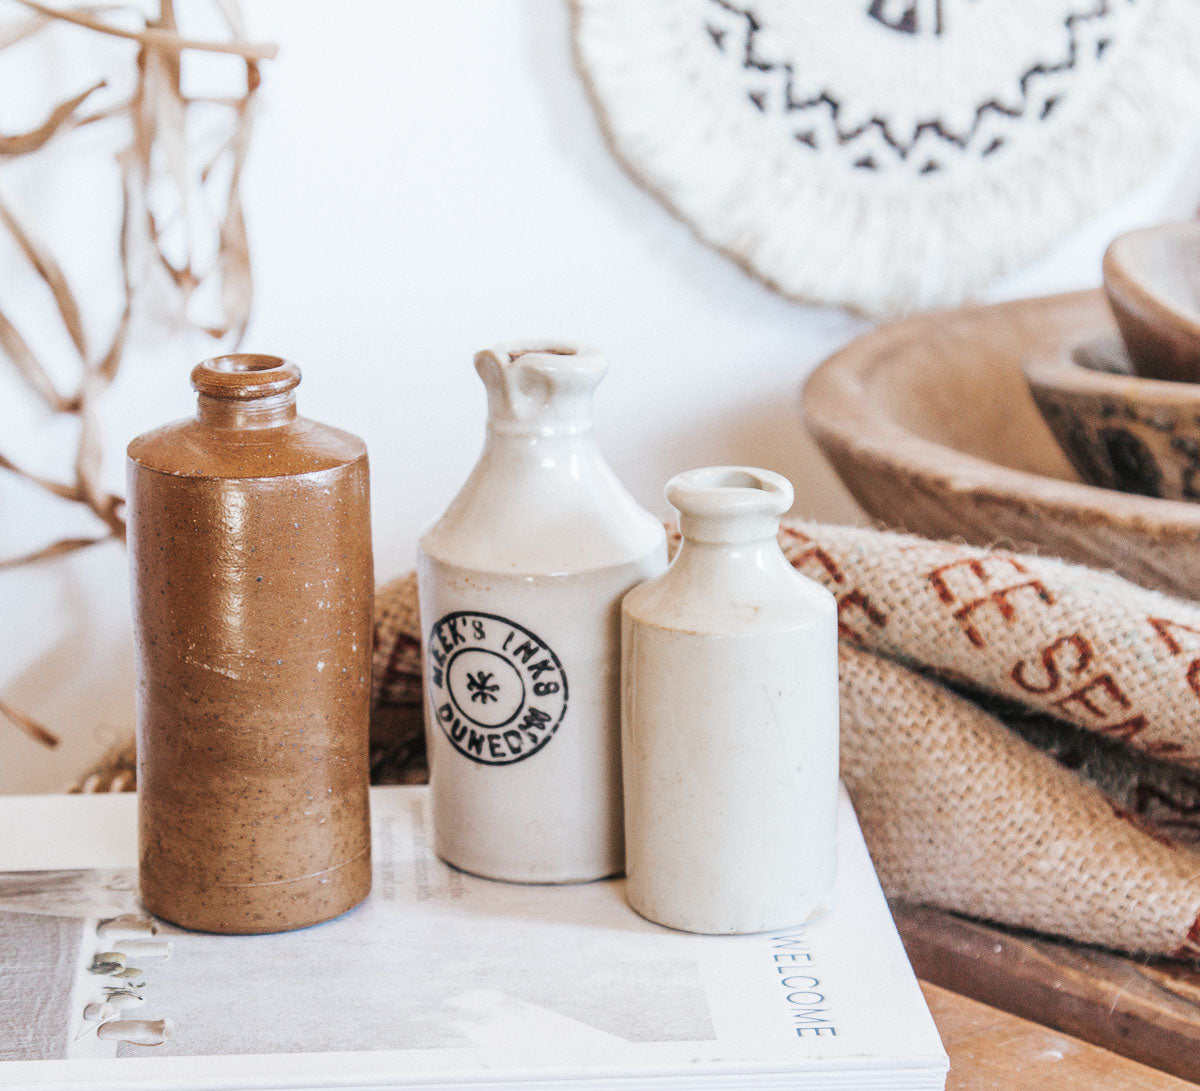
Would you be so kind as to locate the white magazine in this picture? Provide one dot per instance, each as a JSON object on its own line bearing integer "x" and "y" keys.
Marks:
{"x": 442, "y": 980}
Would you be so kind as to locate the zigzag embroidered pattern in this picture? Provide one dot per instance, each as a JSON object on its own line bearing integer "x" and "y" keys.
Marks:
{"x": 753, "y": 60}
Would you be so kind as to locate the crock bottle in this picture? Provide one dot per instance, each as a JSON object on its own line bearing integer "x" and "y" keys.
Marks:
{"x": 730, "y": 719}
{"x": 520, "y": 588}
{"x": 250, "y": 547}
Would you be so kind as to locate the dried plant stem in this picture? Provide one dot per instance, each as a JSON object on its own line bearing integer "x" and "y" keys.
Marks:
{"x": 54, "y": 549}
{"x": 154, "y": 37}
{"x": 159, "y": 182}
{"x": 30, "y": 726}
{"x": 51, "y": 272}
{"x": 64, "y": 112}
{"x": 17, "y": 349}
{"x": 55, "y": 488}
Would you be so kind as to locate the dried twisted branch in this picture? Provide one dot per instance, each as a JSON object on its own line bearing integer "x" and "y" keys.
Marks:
{"x": 162, "y": 35}
{"x": 161, "y": 184}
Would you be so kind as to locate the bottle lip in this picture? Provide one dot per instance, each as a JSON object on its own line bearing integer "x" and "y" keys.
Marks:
{"x": 726, "y": 505}
{"x": 540, "y": 388}
{"x": 549, "y": 352}
{"x": 730, "y": 491}
{"x": 245, "y": 375}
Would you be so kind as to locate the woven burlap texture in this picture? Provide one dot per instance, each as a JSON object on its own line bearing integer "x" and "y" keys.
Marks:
{"x": 958, "y": 811}
{"x": 961, "y": 814}
{"x": 1084, "y": 646}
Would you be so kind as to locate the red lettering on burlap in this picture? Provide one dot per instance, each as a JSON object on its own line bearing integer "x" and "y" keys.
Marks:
{"x": 1001, "y": 597}
{"x": 1001, "y": 600}
{"x": 1084, "y": 654}
{"x": 1166, "y": 628}
{"x": 1190, "y": 947}
{"x": 977, "y": 566}
{"x": 1100, "y": 696}
{"x": 1126, "y": 729}
{"x": 813, "y": 553}
{"x": 1193, "y": 676}
{"x": 1083, "y": 695}
{"x": 857, "y": 599}
{"x": 1169, "y": 750}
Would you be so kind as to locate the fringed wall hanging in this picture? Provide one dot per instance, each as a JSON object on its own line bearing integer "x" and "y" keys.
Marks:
{"x": 891, "y": 155}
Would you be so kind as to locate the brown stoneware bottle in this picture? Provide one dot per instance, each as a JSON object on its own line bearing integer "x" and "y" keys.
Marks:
{"x": 250, "y": 546}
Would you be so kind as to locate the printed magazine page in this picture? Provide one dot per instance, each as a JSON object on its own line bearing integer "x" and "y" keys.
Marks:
{"x": 439, "y": 979}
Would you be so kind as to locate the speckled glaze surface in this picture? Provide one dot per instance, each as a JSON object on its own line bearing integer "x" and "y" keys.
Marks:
{"x": 250, "y": 547}
{"x": 1119, "y": 430}
{"x": 729, "y": 722}
{"x": 520, "y": 586}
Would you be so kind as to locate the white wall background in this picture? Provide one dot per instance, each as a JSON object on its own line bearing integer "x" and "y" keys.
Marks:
{"x": 425, "y": 179}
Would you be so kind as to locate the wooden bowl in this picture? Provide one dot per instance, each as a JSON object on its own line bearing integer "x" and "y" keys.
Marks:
{"x": 931, "y": 426}
{"x": 1120, "y": 431}
{"x": 1152, "y": 278}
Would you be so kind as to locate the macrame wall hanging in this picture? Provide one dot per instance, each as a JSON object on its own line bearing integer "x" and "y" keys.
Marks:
{"x": 891, "y": 155}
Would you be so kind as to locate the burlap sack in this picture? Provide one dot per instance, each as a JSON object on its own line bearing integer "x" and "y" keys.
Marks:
{"x": 958, "y": 811}
{"x": 1080, "y": 645}
{"x": 961, "y": 814}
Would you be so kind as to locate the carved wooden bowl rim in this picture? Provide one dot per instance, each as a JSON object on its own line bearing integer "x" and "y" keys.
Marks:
{"x": 1075, "y": 371}
{"x": 846, "y": 420}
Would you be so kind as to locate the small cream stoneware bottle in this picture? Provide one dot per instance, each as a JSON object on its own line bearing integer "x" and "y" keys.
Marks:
{"x": 520, "y": 584}
{"x": 730, "y": 719}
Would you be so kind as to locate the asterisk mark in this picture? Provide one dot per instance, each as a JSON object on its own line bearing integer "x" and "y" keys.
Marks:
{"x": 481, "y": 687}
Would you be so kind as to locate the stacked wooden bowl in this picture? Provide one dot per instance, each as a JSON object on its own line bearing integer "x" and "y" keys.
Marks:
{"x": 932, "y": 426}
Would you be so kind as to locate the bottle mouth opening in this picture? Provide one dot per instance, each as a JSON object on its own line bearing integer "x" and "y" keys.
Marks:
{"x": 728, "y": 477}
{"x": 729, "y": 492}
{"x": 550, "y": 350}
{"x": 245, "y": 375}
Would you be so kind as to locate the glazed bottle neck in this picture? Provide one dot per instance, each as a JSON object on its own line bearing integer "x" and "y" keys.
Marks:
{"x": 730, "y": 510}
{"x": 252, "y": 413}
{"x": 245, "y": 391}
{"x": 573, "y": 453}
{"x": 538, "y": 393}
{"x": 503, "y": 435}
{"x": 501, "y": 429}
{"x": 746, "y": 562}
{"x": 755, "y": 552}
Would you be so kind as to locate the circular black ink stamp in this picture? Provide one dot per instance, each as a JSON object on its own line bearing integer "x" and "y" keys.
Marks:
{"x": 498, "y": 691}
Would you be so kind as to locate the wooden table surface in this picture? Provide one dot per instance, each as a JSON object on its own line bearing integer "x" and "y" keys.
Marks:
{"x": 1018, "y": 1010}
{"x": 990, "y": 1049}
